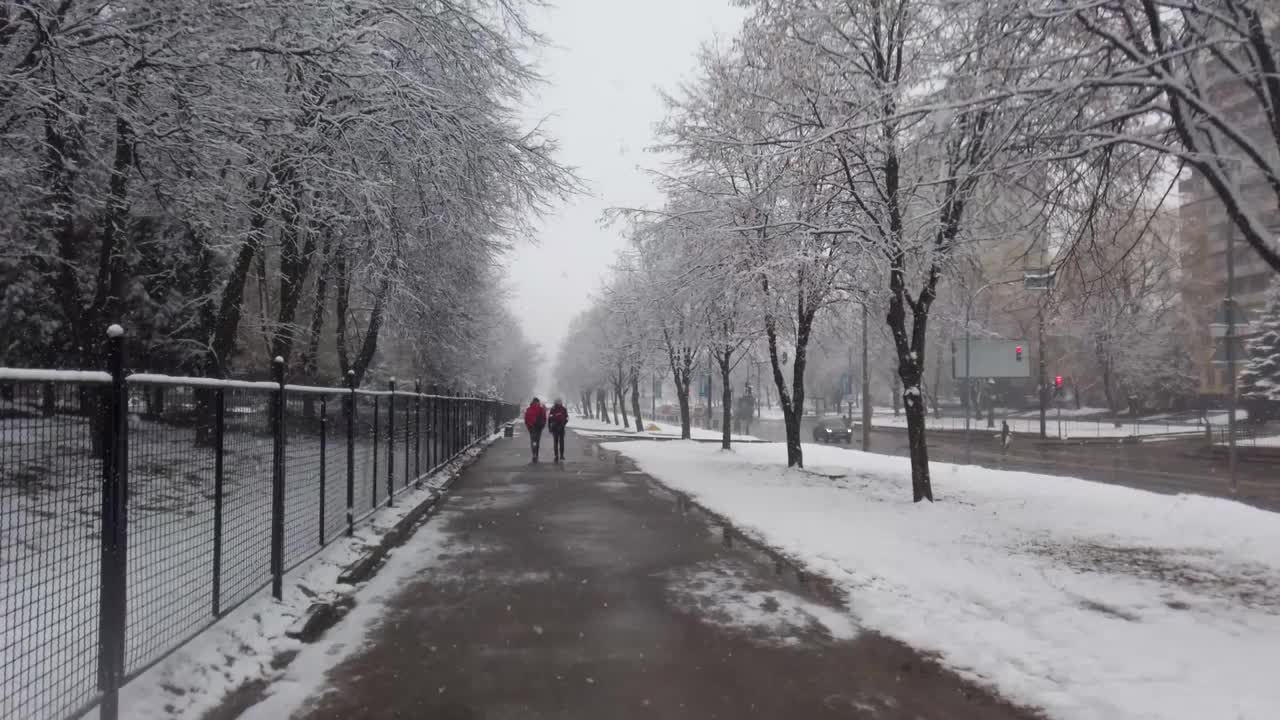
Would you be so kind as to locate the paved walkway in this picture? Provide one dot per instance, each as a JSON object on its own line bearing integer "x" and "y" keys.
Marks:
{"x": 581, "y": 590}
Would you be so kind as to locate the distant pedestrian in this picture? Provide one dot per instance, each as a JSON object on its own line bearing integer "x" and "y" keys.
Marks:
{"x": 1006, "y": 436}
{"x": 535, "y": 418}
{"x": 557, "y": 419}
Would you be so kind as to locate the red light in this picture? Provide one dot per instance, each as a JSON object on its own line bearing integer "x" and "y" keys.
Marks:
{"x": 1018, "y": 353}
{"x": 1058, "y": 381}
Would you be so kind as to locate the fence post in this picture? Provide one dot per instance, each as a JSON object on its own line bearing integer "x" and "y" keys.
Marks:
{"x": 219, "y": 428}
{"x": 407, "y": 463}
{"x": 324, "y": 471}
{"x": 277, "y": 481}
{"x": 391, "y": 442}
{"x": 113, "y": 588}
{"x": 351, "y": 452}
{"x": 433, "y": 446}
{"x": 417, "y": 433}
{"x": 449, "y": 422}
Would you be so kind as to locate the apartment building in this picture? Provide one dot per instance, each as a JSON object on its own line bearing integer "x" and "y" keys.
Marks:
{"x": 1206, "y": 234}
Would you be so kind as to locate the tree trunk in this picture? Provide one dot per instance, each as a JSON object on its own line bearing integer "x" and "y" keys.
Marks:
{"x": 911, "y": 358}
{"x": 620, "y": 404}
{"x": 227, "y": 323}
{"x": 1107, "y": 377}
{"x": 602, "y": 404}
{"x": 295, "y": 265}
{"x": 368, "y": 346}
{"x": 921, "y": 486}
{"x": 790, "y": 415}
{"x": 310, "y": 358}
{"x": 726, "y": 400}
{"x": 682, "y": 397}
{"x": 681, "y": 362}
{"x": 635, "y": 399}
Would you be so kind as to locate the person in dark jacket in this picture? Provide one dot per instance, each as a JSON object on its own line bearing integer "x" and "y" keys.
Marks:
{"x": 535, "y": 418}
{"x": 557, "y": 420}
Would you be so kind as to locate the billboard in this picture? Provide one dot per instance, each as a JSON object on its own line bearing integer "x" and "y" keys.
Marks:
{"x": 991, "y": 359}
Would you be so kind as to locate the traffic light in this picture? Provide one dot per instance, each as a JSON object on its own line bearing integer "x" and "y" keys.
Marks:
{"x": 1057, "y": 384}
{"x": 1017, "y": 351}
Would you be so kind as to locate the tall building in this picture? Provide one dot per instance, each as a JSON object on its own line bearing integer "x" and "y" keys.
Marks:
{"x": 1207, "y": 232}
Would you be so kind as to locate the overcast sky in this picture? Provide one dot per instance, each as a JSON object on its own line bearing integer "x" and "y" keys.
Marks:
{"x": 607, "y": 61}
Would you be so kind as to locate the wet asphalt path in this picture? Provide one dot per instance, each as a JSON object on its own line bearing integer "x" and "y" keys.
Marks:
{"x": 584, "y": 590}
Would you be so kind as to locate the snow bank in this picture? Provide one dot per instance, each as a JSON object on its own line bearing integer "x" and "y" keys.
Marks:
{"x": 1086, "y": 599}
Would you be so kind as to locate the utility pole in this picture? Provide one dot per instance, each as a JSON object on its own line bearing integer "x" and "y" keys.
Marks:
{"x": 759, "y": 388}
{"x": 653, "y": 395}
{"x": 1044, "y": 375}
{"x": 710, "y": 375}
{"x": 847, "y": 387}
{"x": 968, "y": 376}
{"x": 866, "y": 386}
{"x": 1231, "y": 358}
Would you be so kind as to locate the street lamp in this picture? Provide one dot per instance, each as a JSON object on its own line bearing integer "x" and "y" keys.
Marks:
{"x": 968, "y": 376}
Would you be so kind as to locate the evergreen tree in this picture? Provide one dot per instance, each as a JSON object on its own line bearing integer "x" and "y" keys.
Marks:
{"x": 1260, "y": 380}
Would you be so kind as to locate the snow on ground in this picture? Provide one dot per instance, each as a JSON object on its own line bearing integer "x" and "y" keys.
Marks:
{"x": 775, "y": 412}
{"x": 1030, "y": 425}
{"x": 599, "y": 428}
{"x": 720, "y": 593}
{"x": 306, "y": 677}
{"x": 1266, "y": 441}
{"x": 241, "y": 647}
{"x": 1092, "y": 601}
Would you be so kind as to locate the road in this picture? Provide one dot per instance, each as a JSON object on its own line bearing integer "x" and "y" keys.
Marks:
{"x": 1169, "y": 466}
{"x": 583, "y": 590}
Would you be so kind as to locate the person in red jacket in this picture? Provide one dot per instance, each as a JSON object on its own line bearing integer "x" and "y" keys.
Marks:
{"x": 557, "y": 419}
{"x": 535, "y": 418}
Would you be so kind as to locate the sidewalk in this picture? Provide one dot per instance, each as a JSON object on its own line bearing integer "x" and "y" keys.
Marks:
{"x": 581, "y": 591}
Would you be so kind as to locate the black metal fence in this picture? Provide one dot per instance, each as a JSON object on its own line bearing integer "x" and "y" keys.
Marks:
{"x": 137, "y": 510}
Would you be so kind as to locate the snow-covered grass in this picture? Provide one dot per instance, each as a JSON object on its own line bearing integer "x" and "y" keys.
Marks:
{"x": 1089, "y": 600}
{"x": 241, "y": 647}
{"x": 601, "y": 428}
{"x": 1030, "y": 425}
{"x": 1262, "y": 441}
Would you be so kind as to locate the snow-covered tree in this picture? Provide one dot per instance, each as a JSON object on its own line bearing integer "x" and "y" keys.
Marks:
{"x": 1260, "y": 380}
{"x": 1194, "y": 80}
{"x": 236, "y": 182}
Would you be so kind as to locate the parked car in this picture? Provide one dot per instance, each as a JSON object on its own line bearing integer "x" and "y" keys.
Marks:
{"x": 832, "y": 430}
